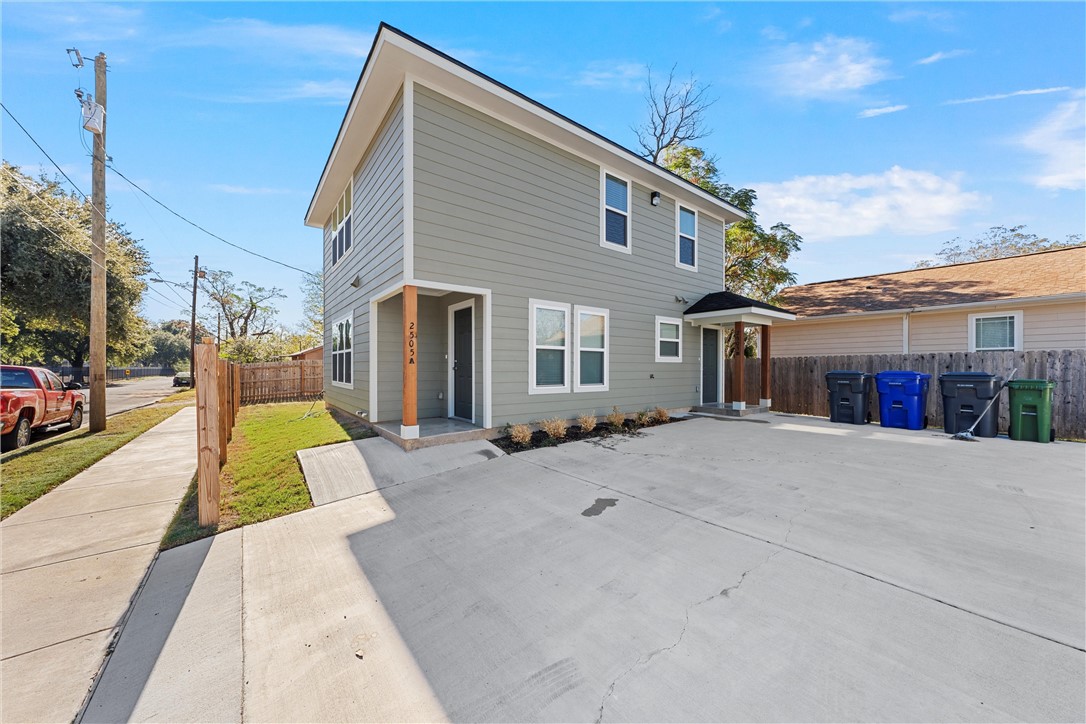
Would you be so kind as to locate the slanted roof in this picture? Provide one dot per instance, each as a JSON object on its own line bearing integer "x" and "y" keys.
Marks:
{"x": 1041, "y": 274}
{"x": 728, "y": 308}
{"x": 395, "y": 55}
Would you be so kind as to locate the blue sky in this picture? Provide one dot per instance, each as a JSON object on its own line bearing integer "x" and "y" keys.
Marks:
{"x": 878, "y": 130}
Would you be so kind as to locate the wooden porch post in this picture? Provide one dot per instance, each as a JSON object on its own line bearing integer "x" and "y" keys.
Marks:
{"x": 767, "y": 382}
{"x": 409, "y": 429}
{"x": 738, "y": 396}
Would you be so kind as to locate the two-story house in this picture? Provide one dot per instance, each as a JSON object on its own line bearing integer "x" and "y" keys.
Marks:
{"x": 489, "y": 261}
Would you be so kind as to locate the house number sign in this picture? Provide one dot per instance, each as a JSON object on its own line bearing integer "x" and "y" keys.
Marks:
{"x": 411, "y": 343}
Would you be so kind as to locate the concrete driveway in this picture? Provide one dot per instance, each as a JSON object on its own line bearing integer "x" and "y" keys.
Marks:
{"x": 785, "y": 570}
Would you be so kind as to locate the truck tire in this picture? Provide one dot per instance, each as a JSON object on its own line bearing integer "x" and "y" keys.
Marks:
{"x": 17, "y": 438}
{"x": 76, "y": 420}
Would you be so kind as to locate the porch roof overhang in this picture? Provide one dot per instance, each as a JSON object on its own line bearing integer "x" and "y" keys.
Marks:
{"x": 728, "y": 308}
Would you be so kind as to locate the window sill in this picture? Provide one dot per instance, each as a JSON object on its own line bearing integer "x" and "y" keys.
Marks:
{"x": 616, "y": 247}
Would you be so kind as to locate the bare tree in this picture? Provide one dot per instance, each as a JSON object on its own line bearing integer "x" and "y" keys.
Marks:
{"x": 676, "y": 115}
{"x": 245, "y": 308}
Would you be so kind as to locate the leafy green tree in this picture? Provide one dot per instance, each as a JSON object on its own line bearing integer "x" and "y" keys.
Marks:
{"x": 996, "y": 243}
{"x": 755, "y": 258}
{"x": 313, "y": 306}
{"x": 45, "y": 266}
{"x": 169, "y": 349}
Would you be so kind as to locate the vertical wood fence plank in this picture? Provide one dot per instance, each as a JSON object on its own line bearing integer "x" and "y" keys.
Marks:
{"x": 207, "y": 434}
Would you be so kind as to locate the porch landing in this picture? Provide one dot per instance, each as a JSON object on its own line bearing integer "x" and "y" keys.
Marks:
{"x": 433, "y": 431}
{"x": 725, "y": 410}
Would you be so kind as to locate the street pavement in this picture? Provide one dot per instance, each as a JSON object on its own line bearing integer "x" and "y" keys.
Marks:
{"x": 127, "y": 395}
{"x": 73, "y": 559}
{"x": 709, "y": 570}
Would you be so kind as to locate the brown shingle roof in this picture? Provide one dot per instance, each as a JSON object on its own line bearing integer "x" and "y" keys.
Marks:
{"x": 1042, "y": 274}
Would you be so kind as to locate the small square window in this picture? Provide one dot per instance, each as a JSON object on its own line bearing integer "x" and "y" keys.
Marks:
{"x": 669, "y": 339}
{"x": 995, "y": 332}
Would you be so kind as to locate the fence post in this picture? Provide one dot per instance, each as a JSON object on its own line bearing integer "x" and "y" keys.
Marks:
{"x": 224, "y": 415}
{"x": 237, "y": 391}
{"x": 207, "y": 435}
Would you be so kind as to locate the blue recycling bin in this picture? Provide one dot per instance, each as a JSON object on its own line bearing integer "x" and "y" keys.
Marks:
{"x": 903, "y": 398}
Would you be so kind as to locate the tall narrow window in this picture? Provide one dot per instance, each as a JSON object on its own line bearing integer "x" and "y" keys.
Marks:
{"x": 340, "y": 224}
{"x": 342, "y": 345}
{"x": 590, "y": 362}
{"x": 548, "y": 359}
{"x": 615, "y": 212}
{"x": 686, "y": 246}
{"x": 669, "y": 339}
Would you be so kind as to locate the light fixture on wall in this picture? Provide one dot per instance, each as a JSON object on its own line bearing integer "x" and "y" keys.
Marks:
{"x": 655, "y": 198}
{"x": 356, "y": 282}
{"x": 681, "y": 300}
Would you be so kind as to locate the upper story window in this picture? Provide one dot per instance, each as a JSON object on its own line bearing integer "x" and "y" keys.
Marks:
{"x": 686, "y": 231}
{"x": 669, "y": 339}
{"x": 996, "y": 331}
{"x": 614, "y": 212}
{"x": 548, "y": 360}
{"x": 340, "y": 224}
{"x": 342, "y": 346}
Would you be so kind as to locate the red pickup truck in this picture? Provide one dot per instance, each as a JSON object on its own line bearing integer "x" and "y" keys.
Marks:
{"x": 31, "y": 398}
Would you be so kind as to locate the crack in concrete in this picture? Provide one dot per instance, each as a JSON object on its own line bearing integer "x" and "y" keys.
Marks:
{"x": 645, "y": 659}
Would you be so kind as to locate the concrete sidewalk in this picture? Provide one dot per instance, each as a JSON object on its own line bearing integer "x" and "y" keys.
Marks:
{"x": 73, "y": 559}
{"x": 703, "y": 571}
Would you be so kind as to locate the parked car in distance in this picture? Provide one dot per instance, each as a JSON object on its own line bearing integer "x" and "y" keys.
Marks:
{"x": 182, "y": 379}
{"x": 33, "y": 398}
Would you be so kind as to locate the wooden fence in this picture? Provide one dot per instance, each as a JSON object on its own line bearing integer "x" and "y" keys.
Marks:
{"x": 799, "y": 383}
{"x": 218, "y": 397}
{"x": 281, "y": 381}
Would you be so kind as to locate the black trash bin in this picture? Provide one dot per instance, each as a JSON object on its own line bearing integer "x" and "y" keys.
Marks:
{"x": 850, "y": 396}
{"x": 965, "y": 395}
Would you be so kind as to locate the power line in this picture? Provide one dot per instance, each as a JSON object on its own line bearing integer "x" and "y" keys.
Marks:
{"x": 197, "y": 226}
{"x": 35, "y": 142}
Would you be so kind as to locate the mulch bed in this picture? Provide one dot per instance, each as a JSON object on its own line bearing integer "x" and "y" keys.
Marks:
{"x": 573, "y": 434}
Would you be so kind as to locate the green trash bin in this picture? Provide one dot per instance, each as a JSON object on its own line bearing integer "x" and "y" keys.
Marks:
{"x": 1031, "y": 410}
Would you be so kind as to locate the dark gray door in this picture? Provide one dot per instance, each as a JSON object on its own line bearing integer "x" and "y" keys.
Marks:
{"x": 710, "y": 366}
{"x": 462, "y": 372}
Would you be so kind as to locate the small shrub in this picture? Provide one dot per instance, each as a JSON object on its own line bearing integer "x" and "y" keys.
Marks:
{"x": 587, "y": 422}
{"x": 520, "y": 434}
{"x": 554, "y": 427}
{"x": 660, "y": 415}
{"x": 616, "y": 418}
{"x": 642, "y": 417}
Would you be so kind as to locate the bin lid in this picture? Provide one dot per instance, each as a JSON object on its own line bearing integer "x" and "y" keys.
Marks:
{"x": 976, "y": 376}
{"x": 1031, "y": 384}
{"x": 902, "y": 374}
{"x": 849, "y": 374}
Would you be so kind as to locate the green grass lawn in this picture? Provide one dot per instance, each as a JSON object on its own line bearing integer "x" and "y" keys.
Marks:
{"x": 262, "y": 478}
{"x": 188, "y": 395}
{"x": 31, "y": 472}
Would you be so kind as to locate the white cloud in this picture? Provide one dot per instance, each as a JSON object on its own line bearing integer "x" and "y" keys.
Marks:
{"x": 275, "y": 41}
{"x": 830, "y": 68}
{"x": 880, "y": 111}
{"x": 939, "y": 19}
{"x": 1013, "y": 94}
{"x": 247, "y": 190}
{"x": 1060, "y": 140}
{"x": 622, "y": 76}
{"x": 330, "y": 91}
{"x": 941, "y": 55}
{"x": 772, "y": 32}
{"x": 897, "y": 202}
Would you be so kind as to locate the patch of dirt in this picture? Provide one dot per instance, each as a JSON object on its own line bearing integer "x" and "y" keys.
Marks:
{"x": 574, "y": 434}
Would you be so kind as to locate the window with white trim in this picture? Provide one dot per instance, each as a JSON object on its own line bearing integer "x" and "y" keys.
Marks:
{"x": 615, "y": 211}
{"x": 548, "y": 359}
{"x": 669, "y": 339}
{"x": 340, "y": 224}
{"x": 342, "y": 345}
{"x": 590, "y": 362}
{"x": 995, "y": 331}
{"x": 686, "y": 241}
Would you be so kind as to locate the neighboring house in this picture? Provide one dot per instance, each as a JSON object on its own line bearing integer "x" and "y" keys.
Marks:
{"x": 308, "y": 354}
{"x": 491, "y": 261}
{"x": 1028, "y": 302}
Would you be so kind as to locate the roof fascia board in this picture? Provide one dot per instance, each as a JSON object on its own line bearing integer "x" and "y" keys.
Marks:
{"x": 740, "y": 312}
{"x": 1010, "y": 301}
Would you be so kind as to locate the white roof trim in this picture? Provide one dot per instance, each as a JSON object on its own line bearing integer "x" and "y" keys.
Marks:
{"x": 505, "y": 105}
{"x": 753, "y": 315}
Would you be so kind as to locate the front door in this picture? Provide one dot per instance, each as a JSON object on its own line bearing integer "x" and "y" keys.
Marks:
{"x": 463, "y": 375}
{"x": 710, "y": 366}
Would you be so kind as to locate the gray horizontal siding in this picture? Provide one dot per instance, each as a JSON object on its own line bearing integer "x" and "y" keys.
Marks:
{"x": 498, "y": 208}
{"x": 376, "y": 255}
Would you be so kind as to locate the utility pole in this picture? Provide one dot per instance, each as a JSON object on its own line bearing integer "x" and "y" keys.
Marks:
{"x": 98, "y": 260}
{"x": 192, "y": 328}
